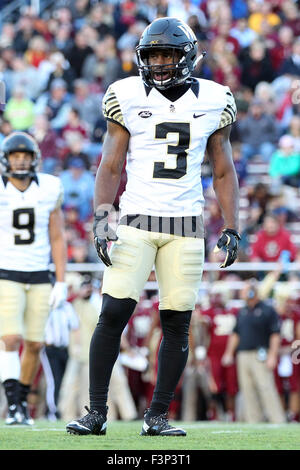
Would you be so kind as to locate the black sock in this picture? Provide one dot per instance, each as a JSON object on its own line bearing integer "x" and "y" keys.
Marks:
{"x": 23, "y": 392}
{"x": 105, "y": 347}
{"x": 172, "y": 358}
{"x": 11, "y": 387}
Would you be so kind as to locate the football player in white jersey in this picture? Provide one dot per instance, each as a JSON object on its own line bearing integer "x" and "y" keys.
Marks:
{"x": 164, "y": 121}
{"x": 31, "y": 228}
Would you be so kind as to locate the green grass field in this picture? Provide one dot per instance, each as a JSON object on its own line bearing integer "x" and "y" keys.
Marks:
{"x": 125, "y": 436}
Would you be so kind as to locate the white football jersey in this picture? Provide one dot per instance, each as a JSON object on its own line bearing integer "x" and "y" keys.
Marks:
{"x": 24, "y": 222}
{"x": 167, "y": 143}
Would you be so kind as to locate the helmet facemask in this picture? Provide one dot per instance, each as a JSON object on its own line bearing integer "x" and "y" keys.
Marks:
{"x": 166, "y": 75}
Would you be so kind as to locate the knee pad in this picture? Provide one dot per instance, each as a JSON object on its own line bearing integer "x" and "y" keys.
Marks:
{"x": 115, "y": 314}
{"x": 180, "y": 299}
{"x": 175, "y": 325}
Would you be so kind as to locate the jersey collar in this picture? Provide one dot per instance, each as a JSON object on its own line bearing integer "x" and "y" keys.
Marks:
{"x": 194, "y": 87}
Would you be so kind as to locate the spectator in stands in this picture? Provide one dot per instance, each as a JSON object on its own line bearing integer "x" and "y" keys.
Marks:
{"x": 78, "y": 53}
{"x": 294, "y": 131}
{"x": 291, "y": 65}
{"x": 19, "y": 110}
{"x": 7, "y": 55}
{"x": 226, "y": 70}
{"x": 265, "y": 93}
{"x": 79, "y": 252}
{"x": 63, "y": 15}
{"x": 7, "y": 35}
{"x": 26, "y": 76}
{"x": 74, "y": 124}
{"x": 262, "y": 13}
{"x": 99, "y": 21}
{"x": 259, "y": 198}
{"x": 286, "y": 89}
{"x": 62, "y": 39}
{"x": 283, "y": 46}
{"x": 257, "y": 132}
{"x": 285, "y": 163}
{"x": 223, "y": 31}
{"x": 25, "y": 31}
{"x": 271, "y": 240}
{"x": 72, "y": 221}
{"x": 87, "y": 102}
{"x": 79, "y": 10}
{"x": 255, "y": 64}
{"x": 127, "y": 64}
{"x": 37, "y": 51}
{"x": 130, "y": 38}
{"x": 291, "y": 16}
{"x": 78, "y": 186}
{"x": 241, "y": 31}
{"x": 102, "y": 64}
{"x": 198, "y": 26}
{"x": 74, "y": 150}
{"x": 61, "y": 70}
{"x": 55, "y": 104}
{"x": 48, "y": 142}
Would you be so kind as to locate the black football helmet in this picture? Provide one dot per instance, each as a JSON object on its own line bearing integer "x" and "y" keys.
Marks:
{"x": 22, "y": 142}
{"x": 167, "y": 33}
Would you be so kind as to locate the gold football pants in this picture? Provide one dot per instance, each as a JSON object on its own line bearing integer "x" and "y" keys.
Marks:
{"x": 178, "y": 263}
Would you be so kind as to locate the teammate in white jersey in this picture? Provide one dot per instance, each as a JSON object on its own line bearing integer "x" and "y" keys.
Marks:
{"x": 164, "y": 121}
{"x": 31, "y": 229}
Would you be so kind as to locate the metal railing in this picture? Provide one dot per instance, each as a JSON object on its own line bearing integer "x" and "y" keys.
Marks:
{"x": 98, "y": 268}
{"x": 242, "y": 266}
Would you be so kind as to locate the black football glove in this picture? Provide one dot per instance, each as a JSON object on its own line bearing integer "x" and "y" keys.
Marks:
{"x": 103, "y": 234}
{"x": 229, "y": 242}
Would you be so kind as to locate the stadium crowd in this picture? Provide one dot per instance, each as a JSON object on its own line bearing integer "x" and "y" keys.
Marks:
{"x": 56, "y": 66}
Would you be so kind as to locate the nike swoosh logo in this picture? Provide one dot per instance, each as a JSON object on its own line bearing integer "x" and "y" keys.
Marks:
{"x": 198, "y": 115}
{"x": 184, "y": 349}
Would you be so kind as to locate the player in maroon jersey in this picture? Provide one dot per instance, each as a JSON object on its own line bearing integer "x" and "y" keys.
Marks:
{"x": 287, "y": 374}
{"x": 219, "y": 322}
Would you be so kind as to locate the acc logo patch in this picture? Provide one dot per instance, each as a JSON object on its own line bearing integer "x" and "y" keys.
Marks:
{"x": 145, "y": 114}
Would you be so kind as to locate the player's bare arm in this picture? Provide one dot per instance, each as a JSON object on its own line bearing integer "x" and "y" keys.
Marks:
{"x": 226, "y": 187}
{"x": 109, "y": 172}
{"x": 107, "y": 184}
{"x": 58, "y": 243}
{"x": 225, "y": 181}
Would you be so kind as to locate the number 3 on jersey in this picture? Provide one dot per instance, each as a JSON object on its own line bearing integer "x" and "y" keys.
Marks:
{"x": 161, "y": 132}
{"x": 24, "y": 219}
